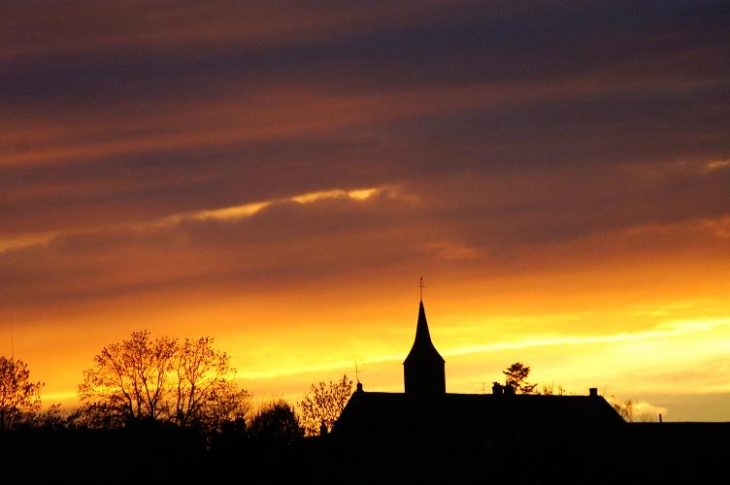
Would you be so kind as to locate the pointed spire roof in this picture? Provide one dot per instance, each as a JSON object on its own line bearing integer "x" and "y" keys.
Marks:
{"x": 423, "y": 349}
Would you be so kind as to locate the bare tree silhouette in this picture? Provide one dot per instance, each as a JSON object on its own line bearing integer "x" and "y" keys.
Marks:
{"x": 19, "y": 396}
{"x": 146, "y": 380}
{"x": 323, "y": 403}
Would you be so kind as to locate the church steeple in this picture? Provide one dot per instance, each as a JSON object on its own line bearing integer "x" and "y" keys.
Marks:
{"x": 423, "y": 369}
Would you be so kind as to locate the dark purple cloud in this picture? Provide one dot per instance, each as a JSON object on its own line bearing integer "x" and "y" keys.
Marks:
{"x": 512, "y": 125}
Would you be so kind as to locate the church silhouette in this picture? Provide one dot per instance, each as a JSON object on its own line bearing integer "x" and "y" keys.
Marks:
{"x": 370, "y": 414}
{"x": 427, "y": 435}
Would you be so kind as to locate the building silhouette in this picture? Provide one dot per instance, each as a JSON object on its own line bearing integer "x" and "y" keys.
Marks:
{"x": 425, "y": 404}
{"x": 427, "y": 435}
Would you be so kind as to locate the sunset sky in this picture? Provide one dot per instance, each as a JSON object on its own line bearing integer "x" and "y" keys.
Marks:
{"x": 279, "y": 175}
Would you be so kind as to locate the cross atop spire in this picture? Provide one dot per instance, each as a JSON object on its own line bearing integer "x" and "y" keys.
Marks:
{"x": 421, "y": 285}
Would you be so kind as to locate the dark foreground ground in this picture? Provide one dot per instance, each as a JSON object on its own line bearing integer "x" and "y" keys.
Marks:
{"x": 636, "y": 453}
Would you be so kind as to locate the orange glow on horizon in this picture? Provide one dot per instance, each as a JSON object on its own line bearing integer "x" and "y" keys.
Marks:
{"x": 279, "y": 181}
{"x": 585, "y": 348}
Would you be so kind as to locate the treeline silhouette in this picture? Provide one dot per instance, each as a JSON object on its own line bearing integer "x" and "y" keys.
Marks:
{"x": 159, "y": 410}
{"x": 162, "y": 410}
{"x": 154, "y": 452}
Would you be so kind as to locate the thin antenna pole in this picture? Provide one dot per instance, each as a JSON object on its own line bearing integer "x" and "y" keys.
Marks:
{"x": 359, "y": 362}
